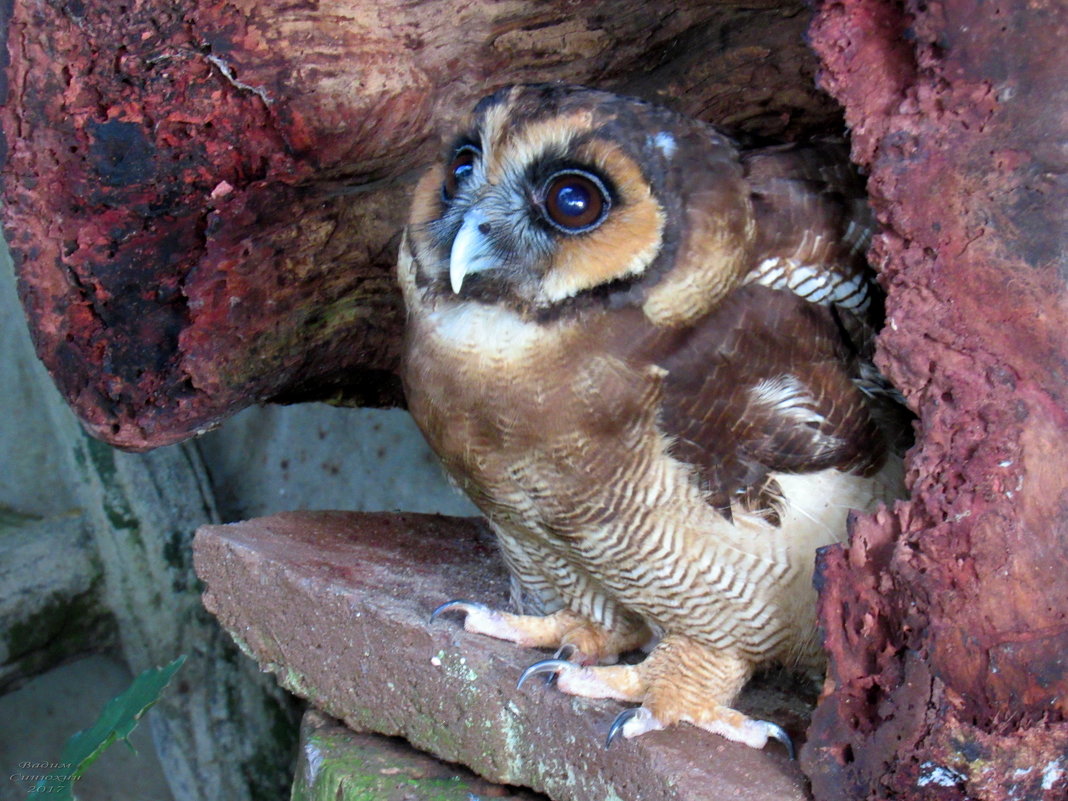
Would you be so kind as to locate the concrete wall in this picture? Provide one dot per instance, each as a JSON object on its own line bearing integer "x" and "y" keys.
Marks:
{"x": 32, "y": 480}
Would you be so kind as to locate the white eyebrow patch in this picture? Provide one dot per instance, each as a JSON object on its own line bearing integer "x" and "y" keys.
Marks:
{"x": 665, "y": 143}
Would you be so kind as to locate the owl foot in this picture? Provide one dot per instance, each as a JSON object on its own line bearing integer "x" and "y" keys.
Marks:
{"x": 638, "y": 720}
{"x": 681, "y": 681}
{"x": 480, "y": 619}
{"x": 621, "y": 682}
{"x": 577, "y": 638}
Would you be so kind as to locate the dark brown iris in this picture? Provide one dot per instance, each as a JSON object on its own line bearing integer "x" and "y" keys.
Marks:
{"x": 463, "y": 164}
{"x": 575, "y": 201}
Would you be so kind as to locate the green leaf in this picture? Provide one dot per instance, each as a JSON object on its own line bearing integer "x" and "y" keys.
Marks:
{"x": 116, "y": 721}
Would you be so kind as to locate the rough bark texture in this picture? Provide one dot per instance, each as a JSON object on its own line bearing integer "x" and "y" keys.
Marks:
{"x": 336, "y": 605}
{"x": 203, "y": 198}
{"x": 946, "y": 619}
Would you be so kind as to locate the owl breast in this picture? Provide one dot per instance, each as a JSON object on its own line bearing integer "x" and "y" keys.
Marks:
{"x": 554, "y": 434}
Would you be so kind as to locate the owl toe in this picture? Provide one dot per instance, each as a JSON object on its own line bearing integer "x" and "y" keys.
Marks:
{"x": 636, "y": 721}
{"x": 632, "y": 722}
{"x": 621, "y": 682}
{"x": 776, "y": 732}
{"x": 740, "y": 729}
{"x": 467, "y": 607}
{"x": 480, "y": 619}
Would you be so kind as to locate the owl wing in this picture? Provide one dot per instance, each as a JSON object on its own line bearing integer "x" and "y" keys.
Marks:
{"x": 814, "y": 226}
{"x": 813, "y": 221}
{"x": 766, "y": 383}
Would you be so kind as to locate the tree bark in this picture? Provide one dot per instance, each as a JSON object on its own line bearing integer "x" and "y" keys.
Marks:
{"x": 947, "y": 617}
{"x": 203, "y": 198}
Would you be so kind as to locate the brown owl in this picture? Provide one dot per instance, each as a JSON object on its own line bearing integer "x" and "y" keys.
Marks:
{"x": 644, "y": 354}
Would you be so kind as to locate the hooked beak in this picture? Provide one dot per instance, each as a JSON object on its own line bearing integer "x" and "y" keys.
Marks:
{"x": 471, "y": 251}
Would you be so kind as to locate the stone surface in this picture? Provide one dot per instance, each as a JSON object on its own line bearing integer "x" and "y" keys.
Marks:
{"x": 946, "y": 618}
{"x": 338, "y": 764}
{"x": 204, "y": 197}
{"x": 336, "y": 605}
{"x": 51, "y": 587}
{"x": 95, "y": 556}
{"x": 141, "y": 510}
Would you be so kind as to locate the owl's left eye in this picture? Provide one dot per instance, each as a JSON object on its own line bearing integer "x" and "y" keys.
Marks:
{"x": 575, "y": 201}
{"x": 459, "y": 170}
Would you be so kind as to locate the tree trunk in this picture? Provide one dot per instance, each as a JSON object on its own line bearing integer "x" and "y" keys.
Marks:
{"x": 203, "y": 198}
{"x": 947, "y": 617}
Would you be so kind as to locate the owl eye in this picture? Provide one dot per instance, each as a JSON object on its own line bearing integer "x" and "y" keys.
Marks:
{"x": 575, "y": 201}
{"x": 463, "y": 164}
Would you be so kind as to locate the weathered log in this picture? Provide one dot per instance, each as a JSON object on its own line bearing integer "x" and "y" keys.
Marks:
{"x": 947, "y": 617}
{"x": 203, "y": 198}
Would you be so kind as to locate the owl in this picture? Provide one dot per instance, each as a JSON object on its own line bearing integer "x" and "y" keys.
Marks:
{"x": 644, "y": 353}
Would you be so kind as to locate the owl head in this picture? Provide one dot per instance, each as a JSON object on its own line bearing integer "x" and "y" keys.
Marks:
{"x": 556, "y": 198}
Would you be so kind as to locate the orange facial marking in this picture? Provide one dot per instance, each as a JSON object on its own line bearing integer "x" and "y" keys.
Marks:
{"x": 712, "y": 259}
{"x": 623, "y": 245}
{"x": 426, "y": 199}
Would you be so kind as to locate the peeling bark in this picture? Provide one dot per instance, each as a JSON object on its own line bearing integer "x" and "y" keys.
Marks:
{"x": 203, "y": 198}
{"x": 947, "y": 618}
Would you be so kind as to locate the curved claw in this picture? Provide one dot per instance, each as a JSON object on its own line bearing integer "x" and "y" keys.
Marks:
{"x": 565, "y": 652}
{"x": 467, "y": 607}
{"x": 552, "y": 666}
{"x": 621, "y": 720}
{"x": 776, "y": 732}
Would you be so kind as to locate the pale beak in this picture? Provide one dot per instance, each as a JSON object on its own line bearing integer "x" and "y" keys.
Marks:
{"x": 471, "y": 250}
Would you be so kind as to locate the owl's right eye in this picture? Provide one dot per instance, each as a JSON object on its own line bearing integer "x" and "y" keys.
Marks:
{"x": 463, "y": 164}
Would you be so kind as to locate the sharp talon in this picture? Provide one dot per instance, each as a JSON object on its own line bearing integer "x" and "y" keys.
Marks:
{"x": 451, "y": 606}
{"x": 565, "y": 651}
{"x": 616, "y": 728}
{"x": 544, "y": 666}
{"x": 776, "y": 732}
